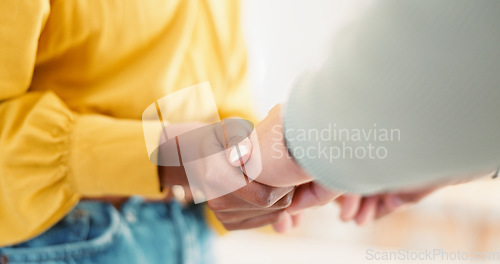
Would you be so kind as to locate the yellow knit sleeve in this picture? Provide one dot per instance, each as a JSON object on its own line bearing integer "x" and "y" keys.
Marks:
{"x": 50, "y": 157}
{"x": 238, "y": 100}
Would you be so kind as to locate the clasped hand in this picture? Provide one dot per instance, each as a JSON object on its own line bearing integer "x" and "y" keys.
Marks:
{"x": 279, "y": 193}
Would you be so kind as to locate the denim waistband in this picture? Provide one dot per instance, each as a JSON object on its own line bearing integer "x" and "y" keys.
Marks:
{"x": 99, "y": 213}
{"x": 140, "y": 232}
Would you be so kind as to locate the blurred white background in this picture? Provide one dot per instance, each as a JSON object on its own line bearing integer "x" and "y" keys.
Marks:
{"x": 283, "y": 38}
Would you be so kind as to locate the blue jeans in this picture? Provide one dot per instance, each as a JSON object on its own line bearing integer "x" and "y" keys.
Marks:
{"x": 141, "y": 232}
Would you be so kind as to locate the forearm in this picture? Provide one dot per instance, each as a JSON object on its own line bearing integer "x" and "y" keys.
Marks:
{"x": 416, "y": 71}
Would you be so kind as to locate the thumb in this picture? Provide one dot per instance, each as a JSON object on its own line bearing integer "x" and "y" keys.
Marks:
{"x": 240, "y": 153}
{"x": 234, "y": 135}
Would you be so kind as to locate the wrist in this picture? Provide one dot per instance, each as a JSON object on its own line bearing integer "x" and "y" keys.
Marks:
{"x": 170, "y": 176}
{"x": 275, "y": 158}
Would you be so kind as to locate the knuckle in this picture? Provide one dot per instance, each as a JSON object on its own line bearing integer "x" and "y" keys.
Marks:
{"x": 285, "y": 202}
{"x": 272, "y": 196}
{"x": 265, "y": 198}
{"x": 217, "y": 205}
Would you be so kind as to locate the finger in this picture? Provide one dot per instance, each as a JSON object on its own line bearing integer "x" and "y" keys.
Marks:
{"x": 388, "y": 204}
{"x": 368, "y": 209}
{"x": 242, "y": 215}
{"x": 310, "y": 195}
{"x": 349, "y": 206}
{"x": 285, "y": 224}
{"x": 255, "y": 222}
{"x": 392, "y": 202}
{"x": 263, "y": 196}
{"x": 229, "y": 132}
{"x": 232, "y": 203}
{"x": 297, "y": 219}
{"x": 339, "y": 200}
{"x": 415, "y": 196}
{"x": 239, "y": 215}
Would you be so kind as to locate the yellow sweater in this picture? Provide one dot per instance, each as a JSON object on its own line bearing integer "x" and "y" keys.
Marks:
{"x": 75, "y": 77}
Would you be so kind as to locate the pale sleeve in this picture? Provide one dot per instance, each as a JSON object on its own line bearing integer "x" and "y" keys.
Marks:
{"x": 50, "y": 157}
{"x": 417, "y": 81}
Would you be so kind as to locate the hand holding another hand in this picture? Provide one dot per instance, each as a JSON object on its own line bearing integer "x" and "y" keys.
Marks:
{"x": 210, "y": 166}
{"x": 245, "y": 195}
{"x": 279, "y": 169}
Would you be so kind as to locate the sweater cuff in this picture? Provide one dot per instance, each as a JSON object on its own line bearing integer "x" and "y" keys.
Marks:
{"x": 297, "y": 119}
{"x": 109, "y": 157}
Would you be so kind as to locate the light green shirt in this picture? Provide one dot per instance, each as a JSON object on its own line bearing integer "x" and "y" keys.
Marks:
{"x": 417, "y": 83}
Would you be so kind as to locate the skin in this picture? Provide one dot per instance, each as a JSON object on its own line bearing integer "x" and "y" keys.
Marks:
{"x": 283, "y": 171}
{"x": 264, "y": 200}
{"x": 282, "y": 190}
{"x": 365, "y": 209}
{"x": 251, "y": 206}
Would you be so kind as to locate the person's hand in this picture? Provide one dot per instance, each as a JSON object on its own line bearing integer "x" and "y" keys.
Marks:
{"x": 207, "y": 153}
{"x": 308, "y": 195}
{"x": 279, "y": 169}
{"x": 365, "y": 209}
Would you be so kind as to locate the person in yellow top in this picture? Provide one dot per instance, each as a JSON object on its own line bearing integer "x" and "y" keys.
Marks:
{"x": 75, "y": 77}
